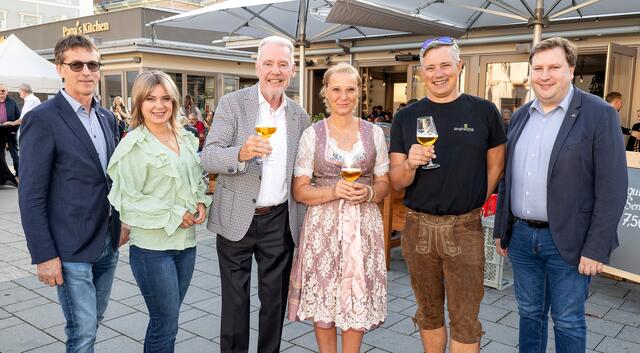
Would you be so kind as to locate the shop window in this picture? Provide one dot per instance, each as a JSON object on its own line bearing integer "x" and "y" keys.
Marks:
{"x": 229, "y": 84}
{"x": 195, "y": 87}
{"x": 507, "y": 84}
{"x": 131, "y": 78}
{"x": 293, "y": 91}
{"x": 177, "y": 79}
{"x": 209, "y": 94}
{"x": 113, "y": 88}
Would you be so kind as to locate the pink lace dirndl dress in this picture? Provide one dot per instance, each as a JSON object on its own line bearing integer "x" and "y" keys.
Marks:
{"x": 339, "y": 272}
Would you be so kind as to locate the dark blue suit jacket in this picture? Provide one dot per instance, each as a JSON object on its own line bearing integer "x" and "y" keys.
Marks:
{"x": 586, "y": 182}
{"x": 13, "y": 113}
{"x": 63, "y": 189}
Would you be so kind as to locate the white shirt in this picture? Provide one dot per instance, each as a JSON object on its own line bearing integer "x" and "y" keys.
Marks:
{"x": 273, "y": 186}
{"x": 30, "y": 102}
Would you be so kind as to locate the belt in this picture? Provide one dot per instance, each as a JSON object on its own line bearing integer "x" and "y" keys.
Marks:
{"x": 535, "y": 224}
{"x": 261, "y": 211}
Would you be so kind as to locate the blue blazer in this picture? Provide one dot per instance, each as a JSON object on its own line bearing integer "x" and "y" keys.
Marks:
{"x": 13, "y": 113}
{"x": 586, "y": 182}
{"x": 63, "y": 189}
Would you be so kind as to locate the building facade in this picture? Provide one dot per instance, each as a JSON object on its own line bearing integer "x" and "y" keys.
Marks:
{"x": 128, "y": 47}
{"x": 22, "y": 13}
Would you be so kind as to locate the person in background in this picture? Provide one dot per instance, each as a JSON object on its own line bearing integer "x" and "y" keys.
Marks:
{"x": 253, "y": 212}
{"x": 159, "y": 192}
{"x": 72, "y": 232}
{"x": 9, "y": 113}
{"x": 442, "y": 242}
{"x": 615, "y": 100}
{"x": 339, "y": 275}
{"x": 633, "y": 144}
{"x": 119, "y": 110}
{"x": 189, "y": 107}
{"x": 200, "y": 128}
{"x": 561, "y": 199}
{"x": 506, "y": 119}
{"x": 207, "y": 121}
{"x": 30, "y": 102}
{"x": 186, "y": 124}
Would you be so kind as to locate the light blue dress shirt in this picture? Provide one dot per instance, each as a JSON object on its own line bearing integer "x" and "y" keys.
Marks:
{"x": 531, "y": 160}
{"x": 92, "y": 125}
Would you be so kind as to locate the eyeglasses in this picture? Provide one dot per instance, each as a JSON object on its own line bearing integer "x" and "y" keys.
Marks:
{"x": 443, "y": 40}
{"x": 77, "y": 66}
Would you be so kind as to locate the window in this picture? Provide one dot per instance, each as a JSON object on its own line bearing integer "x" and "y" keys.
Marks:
{"x": 507, "y": 84}
{"x": 131, "y": 78}
{"x": 113, "y": 88}
{"x": 3, "y": 20}
{"x": 196, "y": 88}
{"x": 29, "y": 19}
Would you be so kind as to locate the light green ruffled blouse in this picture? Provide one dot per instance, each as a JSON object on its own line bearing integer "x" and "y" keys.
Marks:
{"x": 153, "y": 187}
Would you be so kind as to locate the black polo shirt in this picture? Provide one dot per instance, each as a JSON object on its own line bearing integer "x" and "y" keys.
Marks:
{"x": 467, "y": 128}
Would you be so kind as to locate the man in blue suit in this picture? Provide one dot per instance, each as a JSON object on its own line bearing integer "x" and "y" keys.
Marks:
{"x": 72, "y": 232}
{"x": 561, "y": 199}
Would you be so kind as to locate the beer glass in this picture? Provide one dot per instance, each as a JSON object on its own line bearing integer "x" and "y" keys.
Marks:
{"x": 266, "y": 127}
{"x": 349, "y": 171}
{"x": 427, "y": 135}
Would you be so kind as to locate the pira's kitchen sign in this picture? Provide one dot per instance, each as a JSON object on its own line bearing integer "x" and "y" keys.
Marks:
{"x": 86, "y": 28}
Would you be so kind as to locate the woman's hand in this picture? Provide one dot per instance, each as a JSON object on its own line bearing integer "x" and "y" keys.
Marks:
{"x": 343, "y": 190}
{"x": 201, "y": 211}
{"x": 360, "y": 193}
{"x": 187, "y": 220}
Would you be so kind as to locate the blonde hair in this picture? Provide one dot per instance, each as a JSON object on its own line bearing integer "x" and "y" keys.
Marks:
{"x": 341, "y": 68}
{"x": 142, "y": 87}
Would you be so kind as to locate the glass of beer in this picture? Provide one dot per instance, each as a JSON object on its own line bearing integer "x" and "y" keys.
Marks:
{"x": 427, "y": 135}
{"x": 266, "y": 127}
{"x": 349, "y": 171}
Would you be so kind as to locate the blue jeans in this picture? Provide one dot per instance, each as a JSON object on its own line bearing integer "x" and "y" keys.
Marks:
{"x": 543, "y": 280}
{"x": 163, "y": 278}
{"x": 84, "y": 296}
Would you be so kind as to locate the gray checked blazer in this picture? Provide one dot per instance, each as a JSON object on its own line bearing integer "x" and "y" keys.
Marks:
{"x": 237, "y": 191}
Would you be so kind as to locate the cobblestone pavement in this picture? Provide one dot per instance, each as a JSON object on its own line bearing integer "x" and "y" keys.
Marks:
{"x": 31, "y": 319}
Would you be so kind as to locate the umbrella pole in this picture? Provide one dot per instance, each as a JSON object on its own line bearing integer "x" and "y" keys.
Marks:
{"x": 301, "y": 76}
{"x": 538, "y": 22}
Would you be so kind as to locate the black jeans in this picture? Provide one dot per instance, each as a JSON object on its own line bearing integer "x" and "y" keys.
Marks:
{"x": 12, "y": 141}
{"x": 269, "y": 239}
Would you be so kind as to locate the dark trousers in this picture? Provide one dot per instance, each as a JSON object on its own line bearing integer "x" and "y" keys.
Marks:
{"x": 12, "y": 141}
{"x": 269, "y": 239}
{"x": 5, "y": 174}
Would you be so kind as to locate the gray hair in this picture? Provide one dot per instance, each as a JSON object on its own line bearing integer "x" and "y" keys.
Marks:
{"x": 455, "y": 50}
{"x": 25, "y": 87}
{"x": 278, "y": 41}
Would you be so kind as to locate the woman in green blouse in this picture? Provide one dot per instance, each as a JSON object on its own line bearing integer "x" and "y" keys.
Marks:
{"x": 159, "y": 192}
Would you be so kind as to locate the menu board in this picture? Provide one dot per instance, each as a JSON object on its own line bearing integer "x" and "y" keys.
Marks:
{"x": 625, "y": 261}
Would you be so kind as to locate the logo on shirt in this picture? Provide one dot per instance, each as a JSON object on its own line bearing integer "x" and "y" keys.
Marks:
{"x": 465, "y": 128}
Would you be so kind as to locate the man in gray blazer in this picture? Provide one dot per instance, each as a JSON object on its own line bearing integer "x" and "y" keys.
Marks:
{"x": 253, "y": 211}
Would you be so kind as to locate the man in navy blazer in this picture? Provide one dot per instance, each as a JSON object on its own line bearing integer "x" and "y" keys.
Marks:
{"x": 72, "y": 232}
{"x": 562, "y": 196}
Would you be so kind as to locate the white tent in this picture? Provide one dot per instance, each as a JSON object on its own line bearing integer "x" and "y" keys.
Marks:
{"x": 19, "y": 64}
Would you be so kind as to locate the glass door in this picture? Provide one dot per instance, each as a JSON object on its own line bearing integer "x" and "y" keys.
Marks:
{"x": 619, "y": 77}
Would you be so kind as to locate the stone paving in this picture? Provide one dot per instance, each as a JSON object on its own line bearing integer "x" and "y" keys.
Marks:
{"x": 31, "y": 320}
